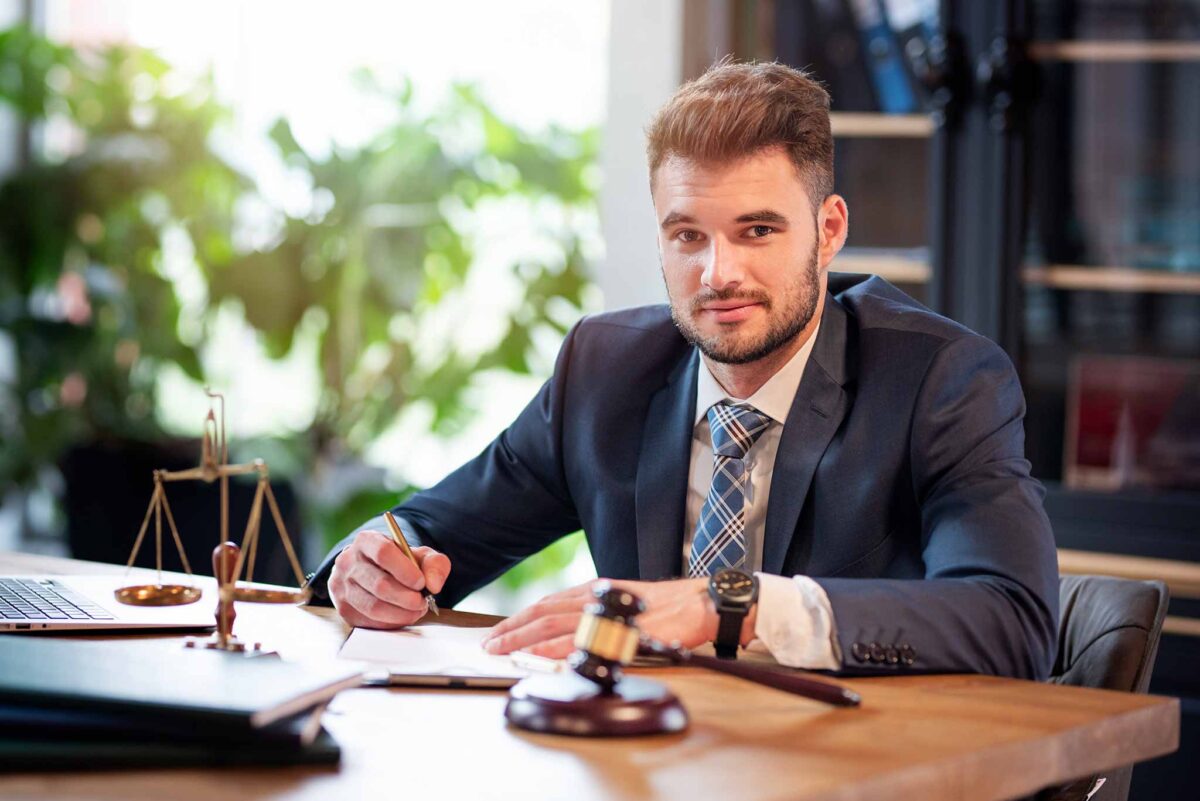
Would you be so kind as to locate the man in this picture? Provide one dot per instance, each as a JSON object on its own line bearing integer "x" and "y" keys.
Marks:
{"x": 848, "y": 464}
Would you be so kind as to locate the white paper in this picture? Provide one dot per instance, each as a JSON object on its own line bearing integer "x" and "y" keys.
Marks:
{"x": 436, "y": 650}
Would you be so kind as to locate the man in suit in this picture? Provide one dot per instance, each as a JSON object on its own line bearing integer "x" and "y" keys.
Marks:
{"x": 785, "y": 458}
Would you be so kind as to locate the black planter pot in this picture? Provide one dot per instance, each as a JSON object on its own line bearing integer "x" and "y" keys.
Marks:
{"x": 108, "y": 488}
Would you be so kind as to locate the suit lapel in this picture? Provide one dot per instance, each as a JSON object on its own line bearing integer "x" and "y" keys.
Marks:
{"x": 662, "y": 474}
{"x": 817, "y": 411}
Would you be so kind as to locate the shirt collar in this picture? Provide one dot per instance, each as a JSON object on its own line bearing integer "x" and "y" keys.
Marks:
{"x": 774, "y": 398}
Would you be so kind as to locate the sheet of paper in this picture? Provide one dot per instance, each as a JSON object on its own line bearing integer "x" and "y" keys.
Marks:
{"x": 435, "y": 650}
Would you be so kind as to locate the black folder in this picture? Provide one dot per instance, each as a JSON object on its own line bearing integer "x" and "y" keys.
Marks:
{"x": 71, "y": 703}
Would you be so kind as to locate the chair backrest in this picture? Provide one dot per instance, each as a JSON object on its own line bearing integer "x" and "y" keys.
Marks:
{"x": 1107, "y": 638}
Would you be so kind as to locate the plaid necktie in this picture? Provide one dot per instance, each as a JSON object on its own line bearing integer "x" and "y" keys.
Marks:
{"x": 720, "y": 539}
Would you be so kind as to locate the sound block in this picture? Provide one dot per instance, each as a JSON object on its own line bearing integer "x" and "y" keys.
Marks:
{"x": 567, "y": 703}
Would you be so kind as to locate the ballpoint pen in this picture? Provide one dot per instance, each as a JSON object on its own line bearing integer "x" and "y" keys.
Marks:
{"x": 402, "y": 544}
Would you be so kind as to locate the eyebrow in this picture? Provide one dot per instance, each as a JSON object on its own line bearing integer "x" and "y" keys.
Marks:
{"x": 763, "y": 216}
{"x": 760, "y": 216}
{"x": 674, "y": 218}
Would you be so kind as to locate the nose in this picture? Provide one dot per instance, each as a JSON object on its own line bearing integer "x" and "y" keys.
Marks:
{"x": 722, "y": 269}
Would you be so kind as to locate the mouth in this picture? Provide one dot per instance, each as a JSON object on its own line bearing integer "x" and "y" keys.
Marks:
{"x": 729, "y": 311}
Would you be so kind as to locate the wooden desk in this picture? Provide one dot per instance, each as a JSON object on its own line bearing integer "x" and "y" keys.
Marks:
{"x": 921, "y": 737}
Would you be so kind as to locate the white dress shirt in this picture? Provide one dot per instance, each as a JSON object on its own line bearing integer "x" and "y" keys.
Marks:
{"x": 795, "y": 620}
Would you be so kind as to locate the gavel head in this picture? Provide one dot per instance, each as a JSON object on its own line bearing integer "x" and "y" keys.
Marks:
{"x": 607, "y": 636}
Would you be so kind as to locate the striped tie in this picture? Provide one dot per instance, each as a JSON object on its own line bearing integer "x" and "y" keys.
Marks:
{"x": 720, "y": 539}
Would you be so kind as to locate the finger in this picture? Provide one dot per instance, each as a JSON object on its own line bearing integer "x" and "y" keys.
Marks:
{"x": 566, "y": 601}
{"x": 383, "y": 586}
{"x": 558, "y": 648}
{"x": 376, "y": 612}
{"x": 384, "y": 552}
{"x": 540, "y": 630}
{"x": 434, "y": 565}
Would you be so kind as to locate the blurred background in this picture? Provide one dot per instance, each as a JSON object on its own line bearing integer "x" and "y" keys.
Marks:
{"x": 370, "y": 225}
{"x": 299, "y": 209}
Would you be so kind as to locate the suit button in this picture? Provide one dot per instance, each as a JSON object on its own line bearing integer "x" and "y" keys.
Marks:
{"x": 907, "y": 655}
{"x": 860, "y": 652}
{"x": 877, "y": 653}
{"x": 892, "y": 655}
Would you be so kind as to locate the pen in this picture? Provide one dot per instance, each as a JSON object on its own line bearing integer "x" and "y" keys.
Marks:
{"x": 402, "y": 544}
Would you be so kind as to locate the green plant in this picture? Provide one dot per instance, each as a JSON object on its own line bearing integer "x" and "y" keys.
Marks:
{"x": 92, "y": 315}
{"x": 388, "y": 245}
{"x": 84, "y": 302}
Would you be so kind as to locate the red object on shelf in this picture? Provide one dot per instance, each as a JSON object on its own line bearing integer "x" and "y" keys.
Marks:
{"x": 1133, "y": 422}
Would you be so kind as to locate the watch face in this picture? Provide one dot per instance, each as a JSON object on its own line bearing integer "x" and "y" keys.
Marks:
{"x": 733, "y": 585}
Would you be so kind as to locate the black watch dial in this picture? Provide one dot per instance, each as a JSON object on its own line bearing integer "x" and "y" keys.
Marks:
{"x": 733, "y": 586}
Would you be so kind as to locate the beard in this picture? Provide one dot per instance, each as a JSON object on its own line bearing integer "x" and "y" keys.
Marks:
{"x": 796, "y": 307}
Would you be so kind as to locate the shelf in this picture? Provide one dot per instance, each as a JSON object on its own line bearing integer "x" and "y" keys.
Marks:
{"x": 1115, "y": 51}
{"x": 1183, "y": 578}
{"x": 895, "y": 268}
{"x": 1112, "y": 279}
{"x": 865, "y": 125}
{"x": 1181, "y": 626}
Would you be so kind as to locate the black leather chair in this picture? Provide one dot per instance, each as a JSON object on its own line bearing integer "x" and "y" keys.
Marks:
{"x": 1107, "y": 638}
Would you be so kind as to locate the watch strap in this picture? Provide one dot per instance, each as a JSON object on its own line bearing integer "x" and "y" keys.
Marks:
{"x": 729, "y": 632}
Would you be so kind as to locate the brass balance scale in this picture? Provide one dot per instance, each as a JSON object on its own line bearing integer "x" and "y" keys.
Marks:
{"x": 228, "y": 558}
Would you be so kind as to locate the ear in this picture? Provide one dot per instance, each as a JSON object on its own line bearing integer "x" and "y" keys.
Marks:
{"x": 833, "y": 226}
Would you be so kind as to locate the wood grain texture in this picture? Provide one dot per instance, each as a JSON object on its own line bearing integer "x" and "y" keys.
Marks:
{"x": 929, "y": 737}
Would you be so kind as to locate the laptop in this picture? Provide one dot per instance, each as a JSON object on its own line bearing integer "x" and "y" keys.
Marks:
{"x": 85, "y": 603}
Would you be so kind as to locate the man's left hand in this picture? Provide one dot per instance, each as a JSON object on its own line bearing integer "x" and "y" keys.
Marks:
{"x": 677, "y": 611}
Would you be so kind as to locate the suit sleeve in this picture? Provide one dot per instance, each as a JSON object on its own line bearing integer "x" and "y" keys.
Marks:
{"x": 989, "y": 601}
{"x": 507, "y": 503}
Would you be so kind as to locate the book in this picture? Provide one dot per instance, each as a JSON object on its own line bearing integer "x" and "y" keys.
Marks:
{"x": 26, "y": 754}
{"x": 154, "y": 685}
{"x": 88, "y": 725}
{"x": 885, "y": 61}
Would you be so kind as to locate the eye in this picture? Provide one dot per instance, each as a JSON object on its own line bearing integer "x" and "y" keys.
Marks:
{"x": 760, "y": 231}
{"x": 687, "y": 235}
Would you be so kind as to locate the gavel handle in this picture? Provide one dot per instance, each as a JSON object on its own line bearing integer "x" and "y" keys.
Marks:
{"x": 825, "y": 692}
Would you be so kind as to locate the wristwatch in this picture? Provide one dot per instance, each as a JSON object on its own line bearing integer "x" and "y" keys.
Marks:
{"x": 733, "y": 593}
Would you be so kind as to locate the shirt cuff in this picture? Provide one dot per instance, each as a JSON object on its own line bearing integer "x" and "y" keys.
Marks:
{"x": 795, "y": 623}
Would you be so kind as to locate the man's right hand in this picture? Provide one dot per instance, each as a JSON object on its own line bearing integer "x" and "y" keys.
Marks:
{"x": 373, "y": 584}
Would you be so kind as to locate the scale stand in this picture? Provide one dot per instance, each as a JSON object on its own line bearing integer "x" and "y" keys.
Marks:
{"x": 228, "y": 558}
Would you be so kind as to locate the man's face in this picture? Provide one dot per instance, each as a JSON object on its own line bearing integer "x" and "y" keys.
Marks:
{"x": 741, "y": 254}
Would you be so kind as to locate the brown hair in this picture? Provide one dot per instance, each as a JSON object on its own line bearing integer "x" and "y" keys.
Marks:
{"x": 737, "y": 110}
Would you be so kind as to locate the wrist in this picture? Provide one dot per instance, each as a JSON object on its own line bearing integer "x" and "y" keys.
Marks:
{"x": 734, "y": 594}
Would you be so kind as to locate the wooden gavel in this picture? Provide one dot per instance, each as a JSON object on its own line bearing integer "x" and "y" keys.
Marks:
{"x": 607, "y": 639}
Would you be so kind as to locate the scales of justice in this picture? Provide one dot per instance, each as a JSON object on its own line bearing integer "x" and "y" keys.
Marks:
{"x": 228, "y": 558}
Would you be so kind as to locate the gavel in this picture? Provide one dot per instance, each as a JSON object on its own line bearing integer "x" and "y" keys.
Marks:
{"x": 596, "y": 699}
{"x": 607, "y": 639}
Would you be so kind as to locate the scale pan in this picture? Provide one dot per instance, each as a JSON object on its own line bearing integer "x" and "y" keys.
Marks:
{"x": 265, "y": 596}
{"x": 158, "y": 595}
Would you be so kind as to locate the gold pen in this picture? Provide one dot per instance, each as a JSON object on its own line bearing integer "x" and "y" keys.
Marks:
{"x": 398, "y": 538}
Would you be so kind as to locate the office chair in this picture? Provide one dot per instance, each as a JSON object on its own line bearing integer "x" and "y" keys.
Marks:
{"x": 1107, "y": 638}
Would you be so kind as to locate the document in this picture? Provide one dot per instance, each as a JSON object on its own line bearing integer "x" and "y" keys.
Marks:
{"x": 438, "y": 655}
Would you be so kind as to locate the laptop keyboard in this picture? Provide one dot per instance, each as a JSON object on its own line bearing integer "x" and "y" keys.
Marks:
{"x": 34, "y": 599}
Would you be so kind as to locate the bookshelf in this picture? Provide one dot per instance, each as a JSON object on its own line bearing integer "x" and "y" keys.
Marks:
{"x": 1046, "y": 194}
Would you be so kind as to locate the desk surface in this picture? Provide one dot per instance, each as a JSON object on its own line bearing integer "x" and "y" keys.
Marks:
{"x": 928, "y": 737}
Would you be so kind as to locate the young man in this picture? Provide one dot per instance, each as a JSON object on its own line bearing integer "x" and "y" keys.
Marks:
{"x": 805, "y": 461}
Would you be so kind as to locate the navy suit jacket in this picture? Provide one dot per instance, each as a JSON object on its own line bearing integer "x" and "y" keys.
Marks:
{"x": 900, "y": 484}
